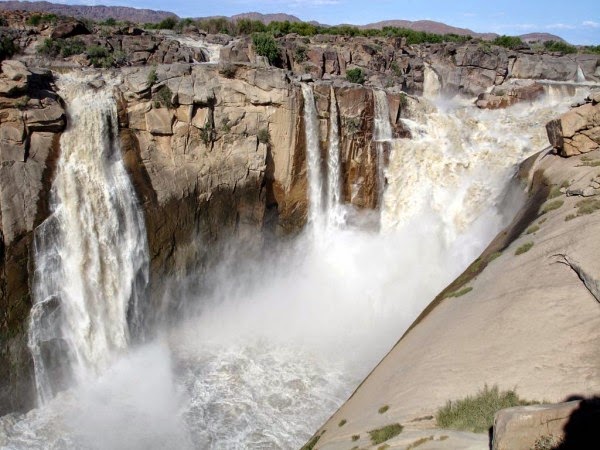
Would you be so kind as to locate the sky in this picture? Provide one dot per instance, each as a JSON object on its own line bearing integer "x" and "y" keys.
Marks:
{"x": 577, "y": 21}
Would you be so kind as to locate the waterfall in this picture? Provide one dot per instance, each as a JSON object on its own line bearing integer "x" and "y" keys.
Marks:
{"x": 431, "y": 83}
{"x": 313, "y": 157}
{"x": 382, "y": 134}
{"x": 580, "y": 76}
{"x": 91, "y": 254}
{"x": 334, "y": 183}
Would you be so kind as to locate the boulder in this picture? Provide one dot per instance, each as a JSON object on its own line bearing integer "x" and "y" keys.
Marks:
{"x": 51, "y": 118}
{"x": 69, "y": 29}
{"x": 159, "y": 121}
{"x": 15, "y": 70}
{"x": 501, "y": 98}
{"x": 577, "y": 131}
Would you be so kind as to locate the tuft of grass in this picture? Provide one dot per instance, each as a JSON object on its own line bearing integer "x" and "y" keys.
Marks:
{"x": 342, "y": 423}
{"x": 590, "y": 163}
{"x": 587, "y": 206}
{"x": 532, "y": 229}
{"x": 570, "y": 217}
{"x": 152, "y": 77}
{"x": 551, "y": 206}
{"x": 355, "y": 437}
{"x": 444, "y": 437}
{"x": 380, "y": 435}
{"x": 554, "y": 192}
{"x": 419, "y": 442}
{"x": 264, "y": 137}
{"x": 460, "y": 292}
{"x": 542, "y": 221}
{"x": 476, "y": 413}
{"x": 383, "y": 409}
{"x": 524, "y": 248}
{"x": 383, "y": 447}
{"x": 493, "y": 256}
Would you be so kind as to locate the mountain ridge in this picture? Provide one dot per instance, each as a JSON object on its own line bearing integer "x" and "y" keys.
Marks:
{"x": 126, "y": 13}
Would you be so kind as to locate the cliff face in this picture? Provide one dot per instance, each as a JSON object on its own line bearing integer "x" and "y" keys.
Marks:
{"x": 215, "y": 152}
{"x": 212, "y": 158}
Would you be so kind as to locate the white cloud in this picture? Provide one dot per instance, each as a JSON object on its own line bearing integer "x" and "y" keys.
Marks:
{"x": 560, "y": 26}
{"x": 591, "y": 24}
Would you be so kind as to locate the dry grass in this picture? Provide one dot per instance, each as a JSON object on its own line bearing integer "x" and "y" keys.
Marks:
{"x": 532, "y": 229}
{"x": 551, "y": 206}
{"x": 380, "y": 435}
{"x": 476, "y": 414}
{"x": 524, "y": 248}
{"x": 419, "y": 442}
{"x": 383, "y": 409}
{"x": 342, "y": 423}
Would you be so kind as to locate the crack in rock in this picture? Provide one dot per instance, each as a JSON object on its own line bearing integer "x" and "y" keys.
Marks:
{"x": 592, "y": 284}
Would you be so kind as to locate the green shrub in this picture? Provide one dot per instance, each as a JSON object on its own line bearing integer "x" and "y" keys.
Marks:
{"x": 266, "y": 45}
{"x": 37, "y": 19}
{"x": 587, "y": 206}
{"x": 383, "y": 434}
{"x": 461, "y": 292}
{"x": 524, "y": 248}
{"x": 551, "y": 206}
{"x": 301, "y": 54}
{"x": 167, "y": 24}
{"x": 342, "y": 423}
{"x": 532, "y": 229}
{"x": 508, "y": 41}
{"x": 355, "y": 437}
{"x": 163, "y": 96}
{"x": 476, "y": 414}
{"x": 152, "y": 77}
{"x": 383, "y": 409}
{"x": 554, "y": 192}
{"x": 264, "y": 137}
{"x": 493, "y": 256}
{"x": 7, "y": 48}
{"x": 311, "y": 444}
{"x": 355, "y": 75}
{"x": 559, "y": 46}
{"x": 207, "y": 134}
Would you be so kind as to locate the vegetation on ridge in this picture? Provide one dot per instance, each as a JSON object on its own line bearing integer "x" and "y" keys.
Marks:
{"x": 476, "y": 413}
{"x": 380, "y": 435}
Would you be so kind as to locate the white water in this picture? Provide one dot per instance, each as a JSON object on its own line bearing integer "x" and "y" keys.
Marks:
{"x": 313, "y": 160}
{"x": 382, "y": 135}
{"x": 431, "y": 83}
{"x": 334, "y": 183}
{"x": 280, "y": 342}
{"x": 211, "y": 51}
{"x": 91, "y": 255}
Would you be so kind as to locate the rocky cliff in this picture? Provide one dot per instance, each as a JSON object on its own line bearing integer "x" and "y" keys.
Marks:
{"x": 216, "y": 152}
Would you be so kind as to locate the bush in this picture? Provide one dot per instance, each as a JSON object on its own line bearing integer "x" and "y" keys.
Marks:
{"x": 524, "y": 248}
{"x": 342, "y": 423}
{"x": 508, "y": 41}
{"x": 476, "y": 414}
{"x": 587, "y": 206}
{"x": 167, "y": 24}
{"x": 559, "y": 46}
{"x": 152, "y": 77}
{"x": 551, "y": 206}
{"x": 265, "y": 45}
{"x": 207, "y": 134}
{"x": 301, "y": 54}
{"x": 163, "y": 97}
{"x": 383, "y": 409}
{"x": 355, "y": 75}
{"x": 383, "y": 434}
{"x": 264, "y": 137}
{"x": 7, "y": 48}
{"x": 532, "y": 229}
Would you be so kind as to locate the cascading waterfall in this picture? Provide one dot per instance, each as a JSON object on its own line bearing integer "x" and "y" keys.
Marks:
{"x": 382, "y": 136}
{"x": 263, "y": 364}
{"x": 334, "y": 183}
{"x": 431, "y": 83}
{"x": 313, "y": 160}
{"x": 91, "y": 254}
{"x": 579, "y": 75}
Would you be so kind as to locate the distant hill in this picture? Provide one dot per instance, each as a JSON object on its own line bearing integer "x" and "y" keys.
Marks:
{"x": 540, "y": 37}
{"x": 90, "y": 12}
{"x": 265, "y": 18}
{"x": 429, "y": 26}
{"x": 148, "y": 15}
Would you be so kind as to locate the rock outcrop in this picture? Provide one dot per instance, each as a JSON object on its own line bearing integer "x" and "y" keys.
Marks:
{"x": 507, "y": 95}
{"x": 526, "y": 303}
{"x": 31, "y": 119}
{"x": 578, "y": 130}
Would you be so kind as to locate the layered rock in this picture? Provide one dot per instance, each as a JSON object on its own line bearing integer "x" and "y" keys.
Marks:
{"x": 505, "y": 96}
{"x": 578, "y": 130}
{"x": 31, "y": 119}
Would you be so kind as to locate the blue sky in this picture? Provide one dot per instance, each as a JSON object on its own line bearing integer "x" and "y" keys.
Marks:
{"x": 577, "y": 21}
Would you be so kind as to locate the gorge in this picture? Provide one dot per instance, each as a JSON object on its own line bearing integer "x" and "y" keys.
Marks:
{"x": 215, "y": 255}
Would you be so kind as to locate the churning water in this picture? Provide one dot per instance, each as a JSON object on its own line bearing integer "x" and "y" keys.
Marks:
{"x": 282, "y": 341}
